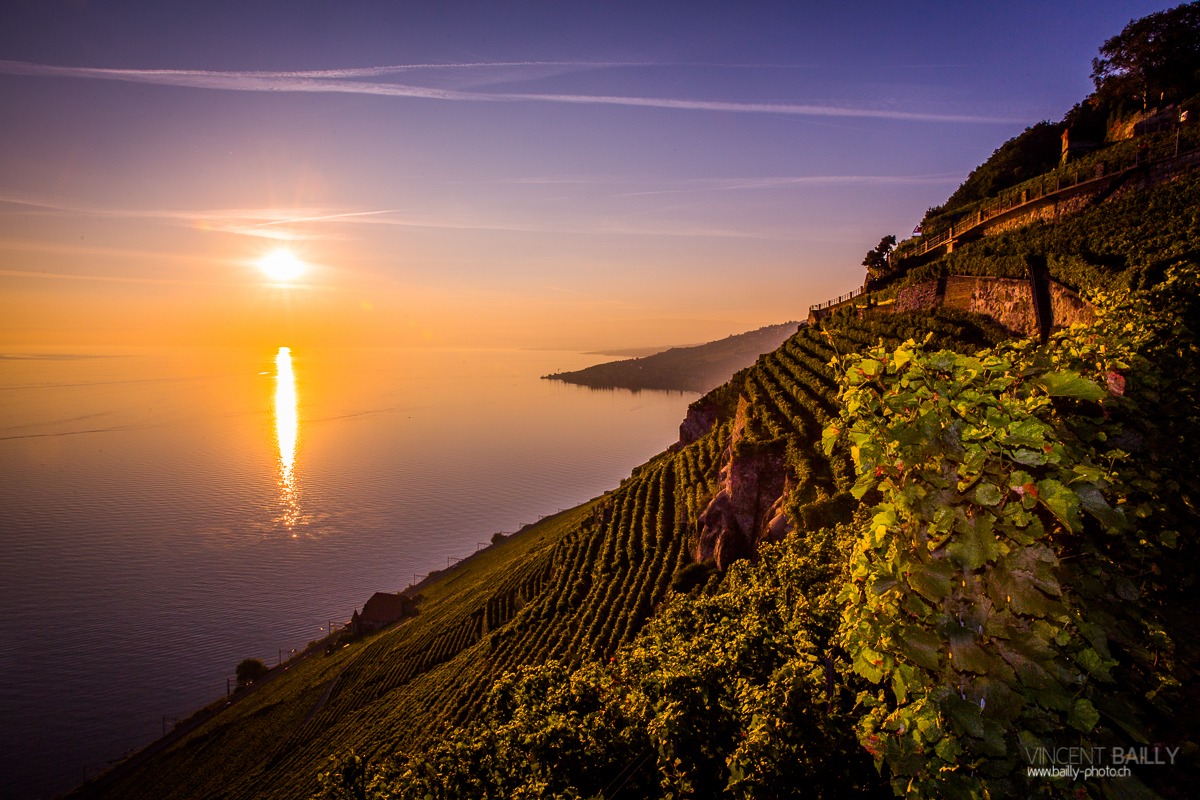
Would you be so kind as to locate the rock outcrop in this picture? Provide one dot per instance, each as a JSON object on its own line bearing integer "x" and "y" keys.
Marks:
{"x": 701, "y": 416}
{"x": 748, "y": 506}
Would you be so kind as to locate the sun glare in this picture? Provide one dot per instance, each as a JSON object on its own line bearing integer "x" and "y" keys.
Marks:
{"x": 281, "y": 265}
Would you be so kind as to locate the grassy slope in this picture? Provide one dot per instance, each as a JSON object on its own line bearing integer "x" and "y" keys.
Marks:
{"x": 693, "y": 369}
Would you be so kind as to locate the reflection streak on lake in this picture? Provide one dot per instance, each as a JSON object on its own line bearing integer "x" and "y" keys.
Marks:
{"x": 286, "y": 425}
{"x": 143, "y": 552}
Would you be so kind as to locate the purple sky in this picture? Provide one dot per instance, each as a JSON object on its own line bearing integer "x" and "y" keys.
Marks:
{"x": 538, "y": 175}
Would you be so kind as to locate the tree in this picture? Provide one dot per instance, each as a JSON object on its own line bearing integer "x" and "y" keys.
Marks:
{"x": 249, "y": 671}
{"x": 876, "y": 261}
{"x": 497, "y": 538}
{"x": 1154, "y": 58}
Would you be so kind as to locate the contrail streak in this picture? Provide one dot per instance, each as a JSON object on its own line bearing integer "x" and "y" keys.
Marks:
{"x": 330, "y": 81}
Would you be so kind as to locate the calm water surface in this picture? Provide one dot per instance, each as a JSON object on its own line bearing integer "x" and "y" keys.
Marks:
{"x": 164, "y": 515}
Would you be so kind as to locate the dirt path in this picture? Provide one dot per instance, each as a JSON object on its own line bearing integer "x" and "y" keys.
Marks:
{"x": 325, "y": 695}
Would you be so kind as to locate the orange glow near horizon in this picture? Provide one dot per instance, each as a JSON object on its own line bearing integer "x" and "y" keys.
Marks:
{"x": 286, "y": 425}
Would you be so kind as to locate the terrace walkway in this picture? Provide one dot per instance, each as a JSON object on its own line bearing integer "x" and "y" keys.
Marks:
{"x": 1049, "y": 189}
{"x": 973, "y": 225}
{"x": 1105, "y": 178}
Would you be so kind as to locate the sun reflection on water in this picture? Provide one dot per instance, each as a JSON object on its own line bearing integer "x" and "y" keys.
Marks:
{"x": 285, "y": 432}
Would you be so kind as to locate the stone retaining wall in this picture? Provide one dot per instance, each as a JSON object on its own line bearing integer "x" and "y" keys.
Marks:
{"x": 1009, "y": 301}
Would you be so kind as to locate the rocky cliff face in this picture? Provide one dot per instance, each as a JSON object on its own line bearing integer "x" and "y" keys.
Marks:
{"x": 701, "y": 416}
{"x": 748, "y": 507}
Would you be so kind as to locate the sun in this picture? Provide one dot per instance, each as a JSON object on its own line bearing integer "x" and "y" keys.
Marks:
{"x": 281, "y": 265}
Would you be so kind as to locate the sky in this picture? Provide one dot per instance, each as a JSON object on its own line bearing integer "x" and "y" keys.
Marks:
{"x": 491, "y": 174}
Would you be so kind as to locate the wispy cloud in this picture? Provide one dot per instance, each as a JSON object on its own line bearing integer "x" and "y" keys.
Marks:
{"x": 745, "y": 184}
{"x": 705, "y": 184}
{"x": 87, "y": 250}
{"x": 60, "y": 276}
{"x": 344, "y": 216}
{"x": 827, "y": 180}
{"x": 336, "y": 81}
{"x": 264, "y": 221}
{"x": 260, "y": 222}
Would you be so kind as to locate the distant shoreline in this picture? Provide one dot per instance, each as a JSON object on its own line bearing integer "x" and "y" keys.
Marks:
{"x": 694, "y": 368}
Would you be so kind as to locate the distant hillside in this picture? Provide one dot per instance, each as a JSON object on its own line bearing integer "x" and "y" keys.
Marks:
{"x": 639, "y": 352}
{"x": 687, "y": 369}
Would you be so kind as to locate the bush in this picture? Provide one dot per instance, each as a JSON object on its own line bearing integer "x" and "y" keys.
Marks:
{"x": 249, "y": 671}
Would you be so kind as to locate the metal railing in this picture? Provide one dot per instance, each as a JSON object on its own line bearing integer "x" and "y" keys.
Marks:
{"x": 830, "y": 303}
{"x": 1049, "y": 184}
{"x": 1030, "y": 192}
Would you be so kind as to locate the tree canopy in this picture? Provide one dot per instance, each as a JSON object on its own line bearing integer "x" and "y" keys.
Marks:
{"x": 1155, "y": 58}
{"x": 876, "y": 261}
{"x": 250, "y": 670}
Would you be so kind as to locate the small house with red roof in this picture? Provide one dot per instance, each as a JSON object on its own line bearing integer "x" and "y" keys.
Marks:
{"x": 380, "y": 611}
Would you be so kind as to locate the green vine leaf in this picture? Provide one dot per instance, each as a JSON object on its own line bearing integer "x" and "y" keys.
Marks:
{"x": 1071, "y": 384}
{"x": 1062, "y": 502}
{"x": 1083, "y": 716}
{"x": 977, "y": 544}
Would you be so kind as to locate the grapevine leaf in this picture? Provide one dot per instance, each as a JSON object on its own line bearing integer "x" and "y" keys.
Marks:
{"x": 1094, "y": 503}
{"x": 933, "y": 581}
{"x": 865, "y": 483}
{"x": 865, "y": 668}
{"x": 1030, "y": 458}
{"x": 987, "y": 494}
{"x": 1083, "y": 716}
{"x": 976, "y": 545}
{"x": 964, "y": 716}
{"x": 1090, "y": 660}
{"x": 921, "y": 646}
{"x": 1062, "y": 502}
{"x": 1069, "y": 383}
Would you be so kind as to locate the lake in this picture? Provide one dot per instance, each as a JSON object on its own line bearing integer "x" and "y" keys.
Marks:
{"x": 166, "y": 514}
